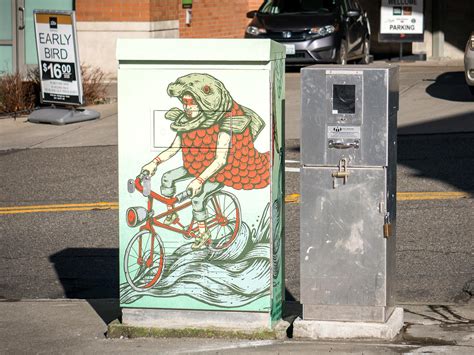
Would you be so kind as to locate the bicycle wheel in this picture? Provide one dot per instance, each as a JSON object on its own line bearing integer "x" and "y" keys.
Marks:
{"x": 144, "y": 261}
{"x": 224, "y": 219}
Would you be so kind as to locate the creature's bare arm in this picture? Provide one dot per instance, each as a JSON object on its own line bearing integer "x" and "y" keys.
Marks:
{"x": 163, "y": 156}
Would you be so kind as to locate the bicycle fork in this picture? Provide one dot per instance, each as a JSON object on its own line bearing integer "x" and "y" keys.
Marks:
{"x": 149, "y": 260}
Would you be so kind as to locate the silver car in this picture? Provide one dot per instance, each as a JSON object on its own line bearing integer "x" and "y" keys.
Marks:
{"x": 469, "y": 63}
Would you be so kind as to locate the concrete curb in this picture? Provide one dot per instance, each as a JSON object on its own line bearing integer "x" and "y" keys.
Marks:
{"x": 118, "y": 330}
{"x": 313, "y": 329}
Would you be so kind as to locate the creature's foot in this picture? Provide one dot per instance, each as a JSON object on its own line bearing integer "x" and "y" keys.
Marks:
{"x": 171, "y": 218}
{"x": 201, "y": 240}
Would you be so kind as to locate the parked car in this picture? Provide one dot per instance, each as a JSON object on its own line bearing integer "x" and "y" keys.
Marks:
{"x": 469, "y": 63}
{"x": 314, "y": 31}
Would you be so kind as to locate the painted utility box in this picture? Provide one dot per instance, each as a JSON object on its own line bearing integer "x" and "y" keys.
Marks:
{"x": 348, "y": 185}
{"x": 201, "y": 178}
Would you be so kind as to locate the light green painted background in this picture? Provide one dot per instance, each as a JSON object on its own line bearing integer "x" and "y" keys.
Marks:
{"x": 142, "y": 90}
{"x": 140, "y": 93}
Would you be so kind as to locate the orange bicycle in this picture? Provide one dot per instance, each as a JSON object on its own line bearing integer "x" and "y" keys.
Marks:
{"x": 144, "y": 260}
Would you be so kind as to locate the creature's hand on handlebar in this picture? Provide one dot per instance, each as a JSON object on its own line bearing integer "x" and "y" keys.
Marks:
{"x": 150, "y": 168}
{"x": 194, "y": 188}
{"x": 143, "y": 175}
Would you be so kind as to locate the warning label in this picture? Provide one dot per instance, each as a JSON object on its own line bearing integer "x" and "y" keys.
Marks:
{"x": 343, "y": 132}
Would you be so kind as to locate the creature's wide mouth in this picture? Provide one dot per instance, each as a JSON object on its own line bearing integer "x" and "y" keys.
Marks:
{"x": 188, "y": 99}
{"x": 190, "y": 106}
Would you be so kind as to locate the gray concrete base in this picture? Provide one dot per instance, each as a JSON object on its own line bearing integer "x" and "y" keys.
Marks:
{"x": 349, "y": 330}
{"x": 181, "y": 319}
{"x": 62, "y": 116}
{"x": 346, "y": 313}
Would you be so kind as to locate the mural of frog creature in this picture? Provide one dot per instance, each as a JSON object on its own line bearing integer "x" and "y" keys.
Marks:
{"x": 216, "y": 137}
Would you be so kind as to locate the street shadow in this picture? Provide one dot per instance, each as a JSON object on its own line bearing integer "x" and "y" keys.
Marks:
{"x": 292, "y": 309}
{"x": 90, "y": 274}
{"x": 450, "y": 124}
{"x": 450, "y": 86}
{"x": 441, "y": 313}
{"x": 292, "y": 145}
{"x": 443, "y": 157}
{"x": 448, "y": 158}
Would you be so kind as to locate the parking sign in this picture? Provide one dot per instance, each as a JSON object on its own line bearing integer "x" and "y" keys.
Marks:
{"x": 401, "y": 21}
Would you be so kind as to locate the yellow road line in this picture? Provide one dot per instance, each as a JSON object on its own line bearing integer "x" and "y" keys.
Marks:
{"x": 59, "y": 208}
{"x": 65, "y": 205}
{"x": 440, "y": 195}
{"x": 408, "y": 196}
{"x": 291, "y": 198}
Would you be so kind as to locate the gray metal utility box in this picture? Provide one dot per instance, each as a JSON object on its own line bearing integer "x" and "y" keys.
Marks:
{"x": 348, "y": 188}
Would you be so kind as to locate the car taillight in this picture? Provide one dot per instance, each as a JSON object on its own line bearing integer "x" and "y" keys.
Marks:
{"x": 136, "y": 216}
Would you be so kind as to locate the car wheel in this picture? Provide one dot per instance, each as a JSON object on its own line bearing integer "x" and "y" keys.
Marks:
{"x": 342, "y": 55}
{"x": 366, "y": 55}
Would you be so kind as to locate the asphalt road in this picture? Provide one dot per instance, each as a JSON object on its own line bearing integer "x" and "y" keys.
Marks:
{"x": 60, "y": 253}
{"x": 74, "y": 253}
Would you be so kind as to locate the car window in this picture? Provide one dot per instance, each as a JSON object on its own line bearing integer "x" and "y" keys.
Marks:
{"x": 345, "y": 6}
{"x": 295, "y": 6}
{"x": 353, "y": 5}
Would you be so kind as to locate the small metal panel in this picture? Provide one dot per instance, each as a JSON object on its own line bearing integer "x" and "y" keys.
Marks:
{"x": 359, "y": 131}
{"x": 345, "y": 93}
{"x": 342, "y": 250}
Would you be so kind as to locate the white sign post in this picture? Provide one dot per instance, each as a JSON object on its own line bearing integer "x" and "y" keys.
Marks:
{"x": 59, "y": 68}
{"x": 401, "y": 21}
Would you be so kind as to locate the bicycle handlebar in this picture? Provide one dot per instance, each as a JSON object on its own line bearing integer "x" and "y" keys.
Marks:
{"x": 183, "y": 196}
{"x": 146, "y": 191}
{"x": 142, "y": 175}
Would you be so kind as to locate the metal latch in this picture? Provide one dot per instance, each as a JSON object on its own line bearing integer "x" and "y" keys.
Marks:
{"x": 342, "y": 173}
{"x": 387, "y": 227}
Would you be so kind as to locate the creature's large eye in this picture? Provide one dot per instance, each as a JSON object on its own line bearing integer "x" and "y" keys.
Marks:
{"x": 206, "y": 89}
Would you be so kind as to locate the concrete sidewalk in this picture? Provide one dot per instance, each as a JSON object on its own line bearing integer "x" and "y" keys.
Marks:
{"x": 21, "y": 134}
{"x": 78, "y": 326}
{"x": 434, "y": 99}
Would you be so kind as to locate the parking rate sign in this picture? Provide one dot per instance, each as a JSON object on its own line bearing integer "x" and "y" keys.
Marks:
{"x": 58, "y": 57}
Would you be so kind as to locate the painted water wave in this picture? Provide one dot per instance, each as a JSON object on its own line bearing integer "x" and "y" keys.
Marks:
{"x": 228, "y": 278}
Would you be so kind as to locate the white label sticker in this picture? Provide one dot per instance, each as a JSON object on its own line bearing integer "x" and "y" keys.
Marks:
{"x": 290, "y": 49}
{"x": 343, "y": 132}
{"x": 344, "y": 72}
